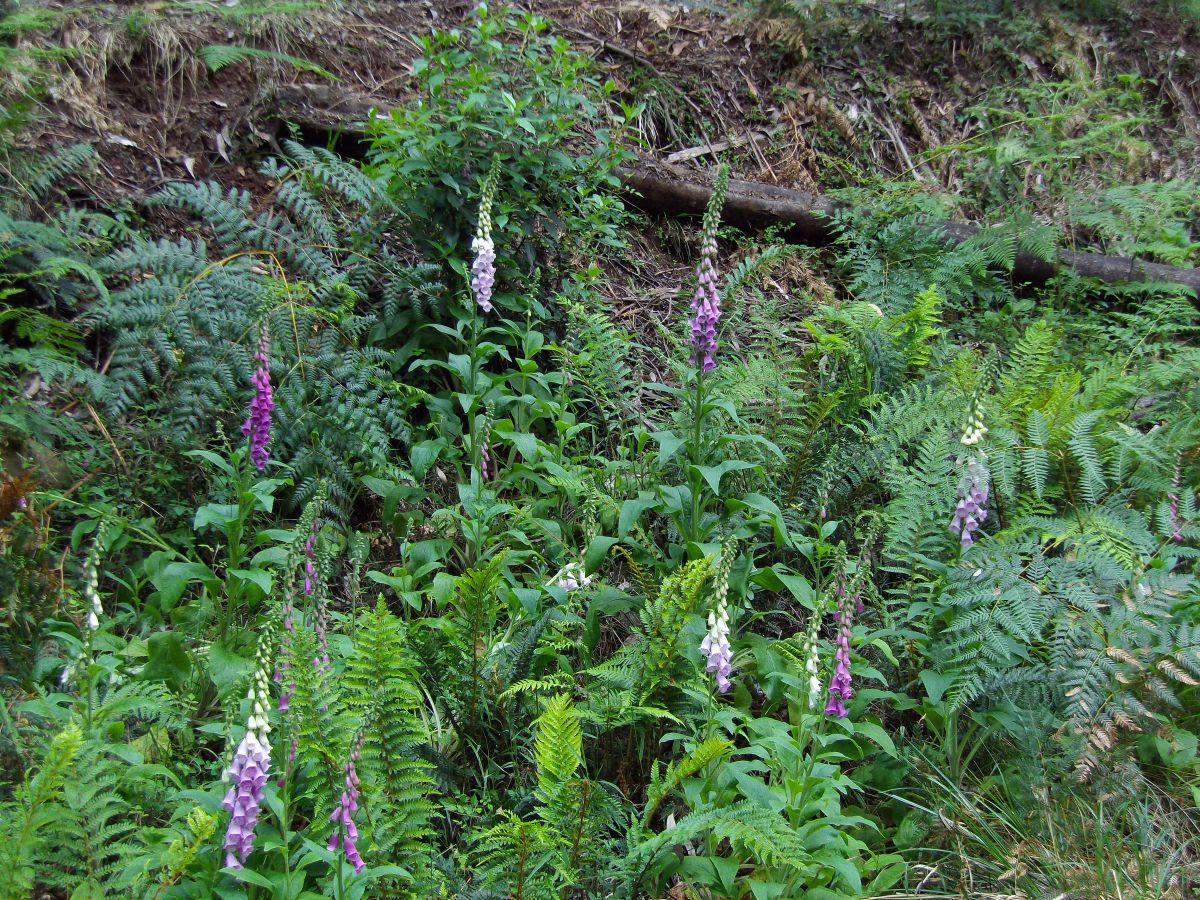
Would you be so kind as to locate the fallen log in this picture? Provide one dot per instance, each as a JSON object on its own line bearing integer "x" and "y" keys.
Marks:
{"x": 660, "y": 188}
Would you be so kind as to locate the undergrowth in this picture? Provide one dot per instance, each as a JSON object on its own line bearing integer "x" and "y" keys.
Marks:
{"x": 346, "y": 552}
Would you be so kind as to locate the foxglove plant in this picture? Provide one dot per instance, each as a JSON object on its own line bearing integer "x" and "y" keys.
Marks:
{"x": 483, "y": 268}
{"x": 345, "y": 832}
{"x": 973, "y": 486}
{"x": 571, "y": 577}
{"x": 91, "y": 599}
{"x": 248, "y": 769}
{"x": 706, "y": 302}
{"x": 314, "y": 591}
{"x": 283, "y": 669}
{"x": 839, "y": 685}
{"x": 812, "y": 658}
{"x": 1173, "y": 509}
{"x": 91, "y": 581}
{"x": 485, "y": 455}
{"x": 715, "y": 646}
{"x": 257, "y": 426}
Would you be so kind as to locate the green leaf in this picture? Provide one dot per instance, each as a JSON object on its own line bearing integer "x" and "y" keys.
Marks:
{"x": 936, "y": 683}
{"x": 780, "y": 578}
{"x": 668, "y": 445}
{"x": 167, "y": 661}
{"x": 221, "y": 514}
{"x": 526, "y": 444}
{"x": 173, "y": 578}
{"x": 219, "y": 461}
{"x": 597, "y": 551}
{"x": 260, "y": 577}
{"x": 875, "y": 733}
{"x": 249, "y": 876}
{"x": 226, "y": 668}
{"x": 713, "y": 474}
{"x": 424, "y": 455}
{"x": 632, "y": 509}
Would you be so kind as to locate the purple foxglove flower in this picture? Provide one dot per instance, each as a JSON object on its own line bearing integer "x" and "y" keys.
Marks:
{"x": 248, "y": 772}
{"x": 971, "y": 510}
{"x": 483, "y": 271}
{"x": 717, "y": 650}
{"x": 257, "y": 426}
{"x": 248, "y": 769}
{"x": 1177, "y": 532}
{"x": 345, "y": 832}
{"x": 706, "y": 309}
{"x": 485, "y": 456}
{"x": 706, "y": 302}
{"x": 839, "y": 685}
{"x": 571, "y": 577}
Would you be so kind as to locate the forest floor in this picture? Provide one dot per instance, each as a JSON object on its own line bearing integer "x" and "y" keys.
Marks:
{"x": 855, "y": 97}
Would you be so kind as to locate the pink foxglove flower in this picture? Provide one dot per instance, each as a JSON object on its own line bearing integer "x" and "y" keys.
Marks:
{"x": 248, "y": 769}
{"x": 706, "y": 302}
{"x": 839, "y": 685}
{"x": 716, "y": 647}
{"x": 345, "y": 832}
{"x": 1173, "y": 509}
{"x": 706, "y": 310}
{"x": 973, "y": 486}
{"x": 571, "y": 577}
{"x": 483, "y": 268}
{"x": 257, "y": 426}
{"x": 971, "y": 510}
{"x": 486, "y": 471}
{"x": 717, "y": 650}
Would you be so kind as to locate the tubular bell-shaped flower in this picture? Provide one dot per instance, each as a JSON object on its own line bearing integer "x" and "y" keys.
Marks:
{"x": 248, "y": 769}
{"x": 571, "y": 577}
{"x": 257, "y": 426}
{"x": 812, "y": 658}
{"x": 345, "y": 832}
{"x": 91, "y": 598}
{"x": 483, "y": 268}
{"x": 91, "y": 580}
{"x": 314, "y": 591}
{"x": 973, "y": 486}
{"x": 706, "y": 302}
{"x": 283, "y": 667}
{"x": 839, "y": 685}
{"x": 715, "y": 646}
{"x": 486, "y": 471}
{"x": 1173, "y": 509}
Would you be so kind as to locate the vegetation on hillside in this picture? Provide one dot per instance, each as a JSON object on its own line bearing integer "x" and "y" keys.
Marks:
{"x": 353, "y": 545}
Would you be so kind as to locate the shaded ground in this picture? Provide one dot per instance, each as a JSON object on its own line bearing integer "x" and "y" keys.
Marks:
{"x": 829, "y": 101}
{"x": 848, "y": 97}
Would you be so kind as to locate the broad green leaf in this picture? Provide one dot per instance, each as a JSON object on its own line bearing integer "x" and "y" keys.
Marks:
{"x": 713, "y": 474}
{"x": 166, "y": 661}
{"x": 173, "y": 578}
